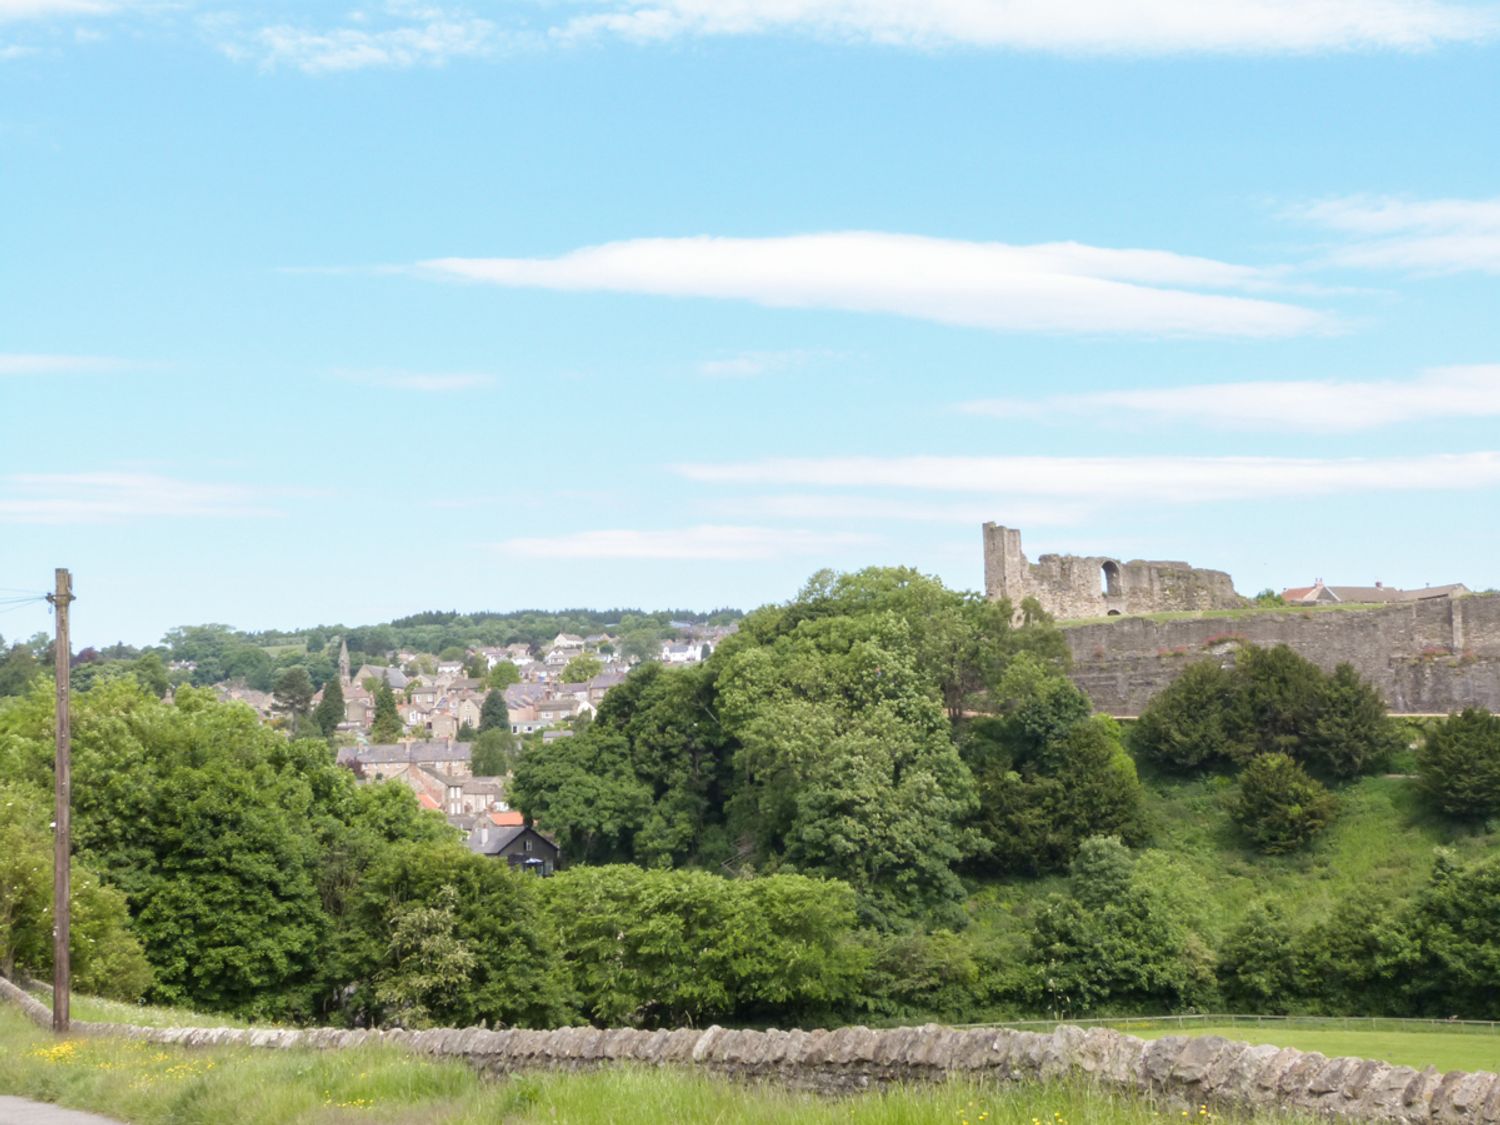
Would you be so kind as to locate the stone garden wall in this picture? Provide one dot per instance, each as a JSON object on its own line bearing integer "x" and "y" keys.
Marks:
{"x": 1186, "y": 1071}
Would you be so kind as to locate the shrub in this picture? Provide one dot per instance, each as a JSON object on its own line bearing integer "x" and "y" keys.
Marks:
{"x": 1460, "y": 764}
{"x": 1279, "y": 807}
{"x": 1183, "y": 728}
{"x": 1271, "y": 701}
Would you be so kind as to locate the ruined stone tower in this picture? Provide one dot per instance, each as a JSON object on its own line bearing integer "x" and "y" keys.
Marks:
{"x": 1072, "y": 586}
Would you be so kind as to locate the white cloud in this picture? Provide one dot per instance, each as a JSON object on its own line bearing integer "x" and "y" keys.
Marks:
{"x": 1326, "y": 406}
{"x": 1053, "y": 287}
{"x": 110, "y": 497}
{"x": 1139, "y": 27}
{"x": 1118, "y": 480}
{"x": 425, "y": 381}
{"x": 822, "y": 506}
{"x": 18, "y": 363}
{"x": 400, "y": 37}
{"x": 45, "y": 9}
{"x": 747, "y": 365}
{"x": 704, "y": 542}
{"x": 1425, "y": 236}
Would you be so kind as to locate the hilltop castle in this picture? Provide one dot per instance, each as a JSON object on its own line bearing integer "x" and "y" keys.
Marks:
{"x": 1072, "y": 586}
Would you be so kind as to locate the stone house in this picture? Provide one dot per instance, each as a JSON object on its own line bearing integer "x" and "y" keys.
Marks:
{"x": 523, "y": 848}
{"x": 384, "y": 760}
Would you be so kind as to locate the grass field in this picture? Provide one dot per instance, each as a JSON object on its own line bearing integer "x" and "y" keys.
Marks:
{"x": 148, "y": 1084}
{"x": 1446, "y": 1050}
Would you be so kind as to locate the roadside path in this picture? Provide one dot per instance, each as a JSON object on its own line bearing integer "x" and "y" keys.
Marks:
{"x": 19, "y": 1111}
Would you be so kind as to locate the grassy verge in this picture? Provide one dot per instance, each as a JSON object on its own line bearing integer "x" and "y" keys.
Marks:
{"x": 237, "y": 1086}
{"x": 97, "y": 1010}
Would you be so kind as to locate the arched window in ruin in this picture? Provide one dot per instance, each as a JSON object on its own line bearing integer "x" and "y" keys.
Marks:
{"x": 1111, "y": 579}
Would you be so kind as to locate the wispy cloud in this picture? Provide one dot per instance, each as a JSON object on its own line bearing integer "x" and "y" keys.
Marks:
{"x": 1139, "y": 27}
{"x": 822, "y": 506}
{"x": 1322, "y": 406}
{"x": 16, "y": 10}
{"x": 1121, "y": 480}
{"x": 1424, "y": 236}
{"x": 747, "y": 365}
{"x": 430, "y": 382}
{"x": 399, "y": 36}
{"x": 1053, "y": 287}
{"x": 112, "y": 497}
{"x": 20, "y": 363}
{"x": 704, "y": 542}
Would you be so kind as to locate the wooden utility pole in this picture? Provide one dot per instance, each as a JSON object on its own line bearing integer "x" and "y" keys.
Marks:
{"x": 62, "y": 876}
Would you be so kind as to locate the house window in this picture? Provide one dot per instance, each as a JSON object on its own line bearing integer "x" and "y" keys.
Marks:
{"x": 528, "y": 847}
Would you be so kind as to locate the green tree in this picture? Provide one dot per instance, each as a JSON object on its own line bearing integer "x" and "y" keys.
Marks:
{"x": 1362, "y": 958}
{"x": 1459, "y": 943}
{"x": 477, "y": 667}
{"x": 646, "y": 781}
{"x": 152, "y": 673}
{"x": 846, "y": 766}
{"x": 330, "y": 710}
{"x": 1186, "y": 724}
{"x": 493, "y": 713}
{"x": 1279, "y": 807}
{"x": 494, "y": 914}
{"x": 1259, "y": 962}
{"x": 494, "y": 753}
{"x": 429, "y": 964}
{"x": 387, "y": 725}
{"x": 1459, "y": 765}
{"x": 1112, "y": 944}
{"x": 1352, "y": 733}
{"x": 1049, "y": 774}
{"x": 503, "y": 675}
{"x": 106, "y": 957}
{"x": 293, "y": 693}
{"x": 1272, "y": 701}
{"x": 664, "y": 948}
{"x": 582, "y": 668}
{"x": 18, "y": 671}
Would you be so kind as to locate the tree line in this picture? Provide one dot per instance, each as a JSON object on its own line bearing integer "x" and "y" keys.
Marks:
{"x": 803, "y": 828}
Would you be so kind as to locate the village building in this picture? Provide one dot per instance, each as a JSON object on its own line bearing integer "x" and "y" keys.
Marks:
{"x": 1378, "y": 594}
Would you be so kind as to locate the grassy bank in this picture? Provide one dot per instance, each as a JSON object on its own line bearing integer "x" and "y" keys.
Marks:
{"x": 237, "y": 1086}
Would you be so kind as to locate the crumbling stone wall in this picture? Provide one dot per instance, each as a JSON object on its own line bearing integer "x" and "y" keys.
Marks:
{"x": 1073, "y": 586}
{"x": 1425, "y": 657}
{"x": 1185, "y": 1071}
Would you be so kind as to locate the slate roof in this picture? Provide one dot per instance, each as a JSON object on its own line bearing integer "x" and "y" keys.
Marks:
{"x": 415, "y": 753}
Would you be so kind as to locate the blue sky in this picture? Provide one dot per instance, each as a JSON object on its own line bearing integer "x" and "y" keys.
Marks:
{"x": 356, "y": 311}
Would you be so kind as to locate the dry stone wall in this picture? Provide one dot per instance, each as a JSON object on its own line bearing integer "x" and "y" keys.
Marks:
{"x": 1425, "y": 657}
{"x": 1180, "y": 1070}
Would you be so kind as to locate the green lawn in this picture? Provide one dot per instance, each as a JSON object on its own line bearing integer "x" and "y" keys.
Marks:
{"x": 1446, "y": 1050}
{"x": 140, "y": 1082}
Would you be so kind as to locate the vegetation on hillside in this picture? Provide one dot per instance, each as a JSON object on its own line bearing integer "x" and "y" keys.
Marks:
{"x": 882, "y": 799}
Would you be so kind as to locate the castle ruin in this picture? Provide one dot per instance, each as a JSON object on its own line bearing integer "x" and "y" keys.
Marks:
{"x": 1073, "y": 586}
